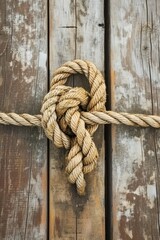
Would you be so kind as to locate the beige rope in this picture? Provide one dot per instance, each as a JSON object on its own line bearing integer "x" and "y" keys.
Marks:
{"x": 106, "y": 117}
{"x": 70, "y": 116}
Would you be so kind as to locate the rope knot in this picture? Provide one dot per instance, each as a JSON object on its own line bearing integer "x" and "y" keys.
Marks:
{"x": 74, "y": 100}
{"x": 63, "y": 123}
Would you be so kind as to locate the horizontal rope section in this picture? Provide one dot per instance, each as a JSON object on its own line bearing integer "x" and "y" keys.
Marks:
{"x": 107, "y": 117}
{"x": 20, "y": 119}
{"x": 70, "y": 116}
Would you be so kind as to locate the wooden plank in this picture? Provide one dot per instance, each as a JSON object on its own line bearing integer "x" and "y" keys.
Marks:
{"x": 135, "y": 89}
{"x": 23, "y": 151}
{"x": 76, "y": 31}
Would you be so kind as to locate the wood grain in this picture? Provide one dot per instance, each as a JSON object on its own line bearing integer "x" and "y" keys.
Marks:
{"x": 135, "y": 88}
{"x": 23, "y": 151}
{"x": 76, "y": 31}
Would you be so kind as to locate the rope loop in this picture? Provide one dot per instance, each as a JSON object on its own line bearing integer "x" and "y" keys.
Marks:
{"x": 62, "y": 120}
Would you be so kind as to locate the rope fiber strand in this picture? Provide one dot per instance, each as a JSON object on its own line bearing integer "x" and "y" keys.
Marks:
{"x": 70, "y": 116}
{"x": 106, "y": 117}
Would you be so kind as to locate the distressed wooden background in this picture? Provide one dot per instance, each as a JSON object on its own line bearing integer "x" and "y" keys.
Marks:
{"x": 36, "y": 201}
{"x": 135, "y": 87}
{"x": 23, "y": 151}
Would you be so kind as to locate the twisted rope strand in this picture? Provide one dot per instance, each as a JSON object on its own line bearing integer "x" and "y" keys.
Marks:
{"x": 20, "y": 119}
{"x": 107, "y": 117}
{"x": 70, "y": 116}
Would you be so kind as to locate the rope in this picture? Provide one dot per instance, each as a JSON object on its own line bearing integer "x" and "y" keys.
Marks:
{"x": 70, "y": 116}
{"x": 106, "y": 117}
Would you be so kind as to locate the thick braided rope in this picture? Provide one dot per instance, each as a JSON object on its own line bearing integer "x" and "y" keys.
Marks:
{"x": 62, "y": 122}
{"x": 70, "y": 116}
{"x": 106, "y": 117}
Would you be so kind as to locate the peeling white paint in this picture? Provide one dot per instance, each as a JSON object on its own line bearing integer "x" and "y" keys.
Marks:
{"x": 151, "y": 153}
{"x": 23, "y": 56}
{"x": 129, "y": 233}
{"x": 128, "y": 66}
{"x": 132, "y": 160}
{"x": 153, "y": 177}
{"x": 42, "y": 60}
{"x": 123, "y": 174}
{"x": 145, "y": 235}
{"x": 41, "y": 134}
{"x": 39, "y": 156}
{"x": 140, "y": 191}
{"x": 27, "y": 47}
{"x": 125, "y": 209}
{"x": 151, "y": 195}
{"x": 36, "y": 186}
{"x": 22, "y": 1}
{"x": 18, "y": 20}
{"x": 28, "y": 79}
{"x": 6, "y": 30}
{"x": 36, "y": 6}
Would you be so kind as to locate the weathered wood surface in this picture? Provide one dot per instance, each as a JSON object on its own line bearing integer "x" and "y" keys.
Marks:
{"x": 76, "y": 31}
{"x": 135, "y": 86}
{"x": 23, "y": 151}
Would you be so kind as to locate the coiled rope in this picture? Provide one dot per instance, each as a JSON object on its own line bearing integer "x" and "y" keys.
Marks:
{"x": 70, "y": 116}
